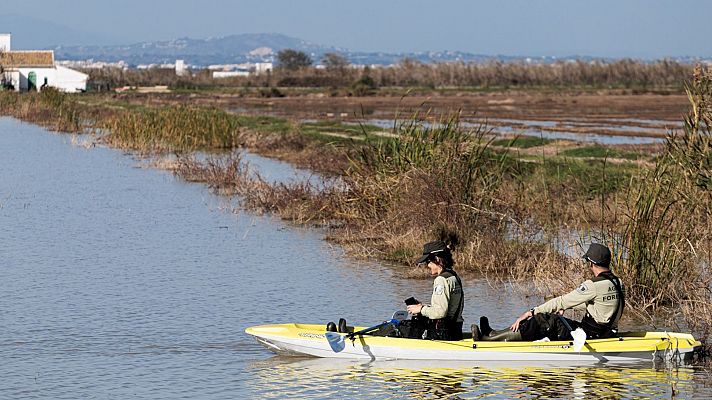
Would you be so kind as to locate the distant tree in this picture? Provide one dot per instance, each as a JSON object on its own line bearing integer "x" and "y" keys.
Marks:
{"x": 409, "y": 63}
{"x": 292, "y": 60}
{"x": 334, "y": 61}
{"x": 365, "y": 85}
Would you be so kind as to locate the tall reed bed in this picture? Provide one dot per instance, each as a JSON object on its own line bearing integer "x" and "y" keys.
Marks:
{"x": 625, "y": 73}
{"x": 181, "y": 128}
{"x": 669, "y": 232}
{"x": 49, "y": 108}
{"x": 668, "y": 235}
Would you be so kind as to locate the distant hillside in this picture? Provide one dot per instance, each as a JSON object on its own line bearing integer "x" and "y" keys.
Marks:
{"x": 223, "y": 50}
{"x": 71, "y": 43}
{"x": 248, "y": 48}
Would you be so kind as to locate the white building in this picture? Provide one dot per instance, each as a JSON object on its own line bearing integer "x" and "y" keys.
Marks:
{"x": 27, "y": 70}
{"x": 181, "y": 68}
{"x": 245, "y": 69}
{"x": 263, "y": 68}
{"x": 5, "y": 39}
{"x": 68, "y": 80}
{"x": 230, "y": 74}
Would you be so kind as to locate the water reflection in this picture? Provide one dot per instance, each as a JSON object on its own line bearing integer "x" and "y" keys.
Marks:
{"x": 279, "y": 377}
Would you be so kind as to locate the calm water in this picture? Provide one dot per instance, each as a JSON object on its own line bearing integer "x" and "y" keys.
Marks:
{"x": 120, "y": 282}
{"x": 544, "y": 130}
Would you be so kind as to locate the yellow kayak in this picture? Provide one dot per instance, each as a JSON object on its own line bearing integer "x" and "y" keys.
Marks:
{"x": 312, "y": 340}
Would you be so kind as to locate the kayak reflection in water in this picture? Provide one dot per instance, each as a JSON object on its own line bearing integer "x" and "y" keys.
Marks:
{"x": 442, "y": 318}
{"x": 602, "y": 297}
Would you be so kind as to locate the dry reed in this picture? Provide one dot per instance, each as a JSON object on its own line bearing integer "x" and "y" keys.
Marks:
{"x": 625, "y": 73}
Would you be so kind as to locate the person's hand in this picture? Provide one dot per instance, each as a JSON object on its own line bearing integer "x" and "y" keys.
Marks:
{"x": 415, "y": 308}
{"x": 561, "y": 312}
{"x": 515, "y": 325}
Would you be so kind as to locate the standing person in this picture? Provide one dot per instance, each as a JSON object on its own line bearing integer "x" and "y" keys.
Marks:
{"x": 602, "y": 297}
{"x": 443, "y": 316}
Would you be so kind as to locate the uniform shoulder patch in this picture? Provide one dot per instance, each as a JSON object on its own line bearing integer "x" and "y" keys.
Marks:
{"x": 583, "y": 288}
{"x": 439, "y": 289}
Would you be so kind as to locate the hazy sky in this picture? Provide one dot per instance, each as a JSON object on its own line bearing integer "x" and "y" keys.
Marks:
{"x": 616, "y": 28}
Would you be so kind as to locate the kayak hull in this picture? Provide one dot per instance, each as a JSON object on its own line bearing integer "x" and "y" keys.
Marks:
{"x": 631, "y": 347}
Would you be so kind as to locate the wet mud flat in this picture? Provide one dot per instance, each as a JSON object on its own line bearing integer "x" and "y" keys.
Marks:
{"x": 563, "y": 115}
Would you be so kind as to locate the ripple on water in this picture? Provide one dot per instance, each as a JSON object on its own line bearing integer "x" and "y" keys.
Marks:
{"x": 319, "y": 378}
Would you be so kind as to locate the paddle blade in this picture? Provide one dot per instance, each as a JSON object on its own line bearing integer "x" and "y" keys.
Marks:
{"x": 336, "y": 341}
{"x": 400, "y": 315}
{"x": 579, "y": 339}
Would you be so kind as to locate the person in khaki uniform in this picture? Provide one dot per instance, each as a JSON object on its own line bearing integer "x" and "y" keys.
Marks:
{"x": 602, "y": 297}
{"x": 444, "y": 313}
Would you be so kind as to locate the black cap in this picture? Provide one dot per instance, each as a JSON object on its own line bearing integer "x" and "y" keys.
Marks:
{"x": 598, "y": 254}
{"x": 432, "y": 248}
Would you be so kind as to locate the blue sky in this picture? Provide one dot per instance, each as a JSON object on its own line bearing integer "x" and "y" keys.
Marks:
{"x": 608, "y": 28}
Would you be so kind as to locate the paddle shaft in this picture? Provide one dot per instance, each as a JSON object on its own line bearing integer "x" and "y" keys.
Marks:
{"x": 566, "y": 323}
{"x": 394, "y": 322}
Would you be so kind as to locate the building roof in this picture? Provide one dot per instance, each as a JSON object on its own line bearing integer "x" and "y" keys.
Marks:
{"x": 26, "y": 59}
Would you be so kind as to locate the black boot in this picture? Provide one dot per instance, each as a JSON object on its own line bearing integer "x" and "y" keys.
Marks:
{"x": 503, "y": 335}
{"x": 342, "y": 326}
{"x": 485, "y": 326}
{"x": 331, "y": 327}
{"x": 475, "y": 332}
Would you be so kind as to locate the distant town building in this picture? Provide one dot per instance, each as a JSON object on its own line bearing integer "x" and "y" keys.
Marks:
{"x": 155, "y": 66}
{"x": 230, "y": 74}
{"x": 263, "y": 68}
{"x": 181, "y": 68}
{"x": 5, "y": 39}
{"x": 91, "y": 64}
{"x": 232, "y": 70}
{"x": 27, "y": 70}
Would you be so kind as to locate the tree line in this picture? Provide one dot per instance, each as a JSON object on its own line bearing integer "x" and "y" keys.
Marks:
{"x": 296, "y": 69}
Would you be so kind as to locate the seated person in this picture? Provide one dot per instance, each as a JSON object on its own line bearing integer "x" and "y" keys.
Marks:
{"x": 602, "y": 297}
{"x": 442, "y": 318}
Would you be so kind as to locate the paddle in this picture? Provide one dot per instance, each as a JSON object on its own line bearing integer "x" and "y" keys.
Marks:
{"x": 578, "y": 334}
{"x": 336, "y": 341}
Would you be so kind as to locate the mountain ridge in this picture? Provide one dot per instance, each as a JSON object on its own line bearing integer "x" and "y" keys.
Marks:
{"x": 230, "y": 49}
{"x": 263, "y": 47}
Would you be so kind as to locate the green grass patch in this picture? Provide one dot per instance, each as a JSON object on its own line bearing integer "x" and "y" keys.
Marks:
{"x": 522, "y": 142}
{"x": 588, "y": 177}
{"x": 598, "y": 151}
{"x": 338, "y": 127}
{"x": 264, "y": 123}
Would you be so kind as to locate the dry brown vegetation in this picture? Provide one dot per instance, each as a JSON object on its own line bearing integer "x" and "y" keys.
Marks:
{"x": 409, "y": 73}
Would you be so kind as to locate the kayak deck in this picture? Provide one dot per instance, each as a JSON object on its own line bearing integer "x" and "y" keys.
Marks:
{"x": 310, "y": 339}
